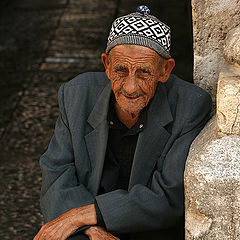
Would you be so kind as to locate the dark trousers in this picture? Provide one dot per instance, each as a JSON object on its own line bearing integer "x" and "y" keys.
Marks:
{"x": 78, "y": 236}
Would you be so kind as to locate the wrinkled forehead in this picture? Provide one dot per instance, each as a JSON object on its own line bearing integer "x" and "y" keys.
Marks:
{"x": 135, "y": 53}
{"x": 133, "y": 47}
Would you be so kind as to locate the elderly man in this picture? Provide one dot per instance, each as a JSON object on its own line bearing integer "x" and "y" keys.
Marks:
{"x": 114, "y": 167}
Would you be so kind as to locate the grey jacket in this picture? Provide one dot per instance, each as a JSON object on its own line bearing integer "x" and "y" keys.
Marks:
{"x": 72, "y": 166}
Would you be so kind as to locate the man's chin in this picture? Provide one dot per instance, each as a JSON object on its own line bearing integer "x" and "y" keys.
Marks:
{"x": 130, "y": 107}
{"x": 131, "y": 110}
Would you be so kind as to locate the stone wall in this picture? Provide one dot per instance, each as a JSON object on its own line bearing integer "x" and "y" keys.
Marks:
{"x": 212, "y": 20}
{"x": 212, "y": 175}
{"x": 212, "y": 183}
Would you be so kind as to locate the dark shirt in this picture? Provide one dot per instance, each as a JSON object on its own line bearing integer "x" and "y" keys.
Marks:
{"x": 121, "y": 147}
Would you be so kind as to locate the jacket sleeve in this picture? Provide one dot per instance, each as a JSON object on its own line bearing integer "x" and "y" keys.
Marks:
{"x": 161, "y": 204}
{"x": 61, "y": 190}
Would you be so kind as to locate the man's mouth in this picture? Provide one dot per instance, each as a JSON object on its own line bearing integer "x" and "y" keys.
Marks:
{"x": 132, "y": 97}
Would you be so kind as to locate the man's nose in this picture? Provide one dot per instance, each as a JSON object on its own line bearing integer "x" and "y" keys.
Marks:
{"x": 130, "y": 84}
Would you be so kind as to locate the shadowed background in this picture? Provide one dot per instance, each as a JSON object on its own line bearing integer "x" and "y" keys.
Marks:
{"x": 43, "y": 44}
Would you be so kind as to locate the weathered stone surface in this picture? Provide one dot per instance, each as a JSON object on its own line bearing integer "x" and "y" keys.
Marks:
{"x": 212, "y": 20}
{"x": 212, "y": 183}
{"x": 228, "y": 102}
{"x": 232, "y": 46}
{"x": 198, "y": 224}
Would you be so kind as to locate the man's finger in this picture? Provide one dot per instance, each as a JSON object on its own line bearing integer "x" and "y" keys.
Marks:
{"x": 46, "y": 232}
{"x": 99, "y": 233}
{"x": 39, "y": 234}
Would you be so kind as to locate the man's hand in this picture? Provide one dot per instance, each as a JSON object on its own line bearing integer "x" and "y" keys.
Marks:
{"x": 65, "y": 225}
{"x": 99, "y": 233}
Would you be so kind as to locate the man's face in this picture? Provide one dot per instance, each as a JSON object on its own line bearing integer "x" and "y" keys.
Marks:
{"x": 134, "y": 72}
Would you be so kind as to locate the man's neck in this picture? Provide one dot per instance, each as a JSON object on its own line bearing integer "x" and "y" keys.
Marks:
{"x": 127, "y": 118}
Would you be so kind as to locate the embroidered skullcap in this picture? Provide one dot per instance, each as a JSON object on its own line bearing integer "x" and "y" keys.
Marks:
{"x": 141, "y": 28}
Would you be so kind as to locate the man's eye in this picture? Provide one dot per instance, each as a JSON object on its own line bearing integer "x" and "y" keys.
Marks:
{"x": 121, "y": 69}
{"x": 146, "y": 71}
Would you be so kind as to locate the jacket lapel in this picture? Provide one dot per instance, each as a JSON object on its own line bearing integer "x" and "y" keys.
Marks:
{"x": 150, "y": 143}
{"x": 153, "y": 139}
{"x": 96, "y": 140}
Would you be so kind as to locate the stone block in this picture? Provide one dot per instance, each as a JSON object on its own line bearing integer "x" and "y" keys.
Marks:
{"x": 232, "y": 46}
{"x": 212, "y": 20}
{"x": 228, "y": 103}
{"x": 212, "y": 183}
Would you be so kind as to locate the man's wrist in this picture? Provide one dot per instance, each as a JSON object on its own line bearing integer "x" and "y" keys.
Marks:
{"x": 85, "y": 215}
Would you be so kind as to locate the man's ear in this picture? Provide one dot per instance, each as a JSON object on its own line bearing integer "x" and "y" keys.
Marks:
{"x": 106, "y": 62}
{"x": 167, "y": 69}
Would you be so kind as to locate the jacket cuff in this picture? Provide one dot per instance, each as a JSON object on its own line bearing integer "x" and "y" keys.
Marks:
{"x": 100, "y": 221}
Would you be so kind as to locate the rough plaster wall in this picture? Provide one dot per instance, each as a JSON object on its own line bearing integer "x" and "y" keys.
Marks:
{"x": 212, "y": 20}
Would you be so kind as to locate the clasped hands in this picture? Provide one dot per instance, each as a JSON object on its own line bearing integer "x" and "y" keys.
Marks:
{"x": 66, "y": 224}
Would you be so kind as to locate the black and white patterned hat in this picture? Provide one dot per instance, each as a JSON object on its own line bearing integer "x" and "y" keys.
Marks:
{"x": 141, "y": 28}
